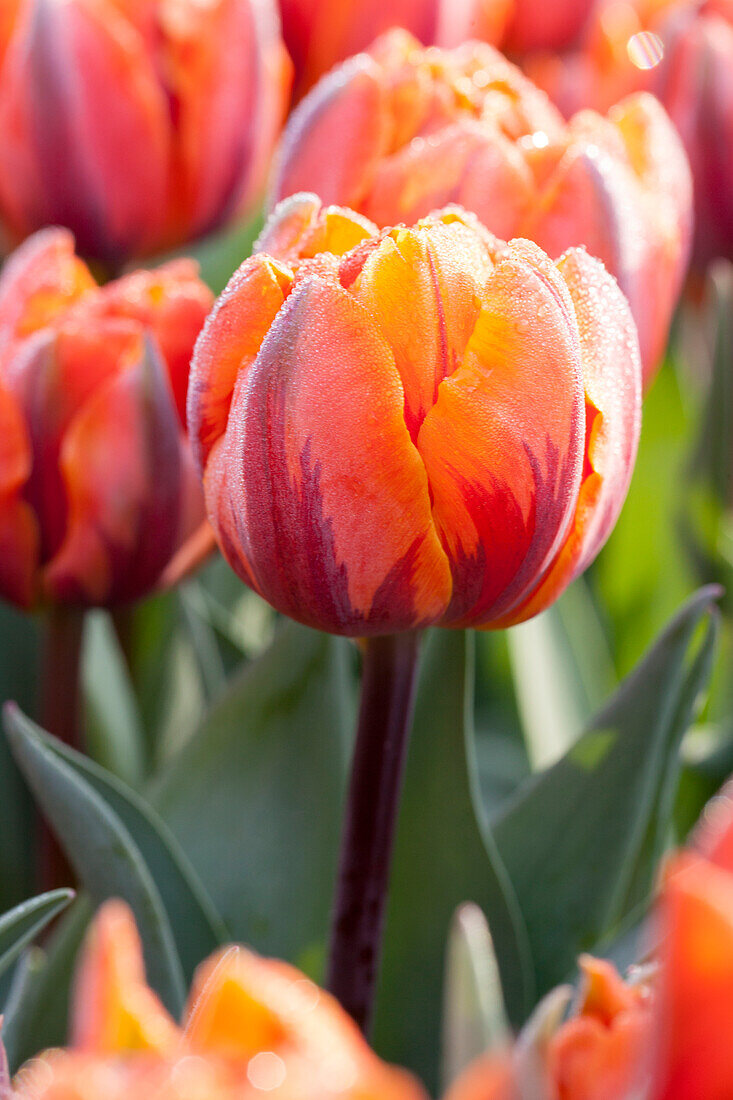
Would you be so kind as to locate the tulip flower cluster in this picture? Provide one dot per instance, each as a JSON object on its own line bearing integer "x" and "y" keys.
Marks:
{"x": 137, "y": 125}
{"x": 682, "y": 51}
{"x": 97, "y": 487}
{"x": 414, "y": 426}
{"x": 429, "y": 127}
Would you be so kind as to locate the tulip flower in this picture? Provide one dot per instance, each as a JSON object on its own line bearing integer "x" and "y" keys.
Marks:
{"x": 401, "y": 131}
{"x": 537, "y": 25}
{"x": 139, "y": 126}
{"x": 402, "y": 428}
{"x": 682, "y": 51}
{"x": 320, "y": 33}
{"x": 253, "y": 1026}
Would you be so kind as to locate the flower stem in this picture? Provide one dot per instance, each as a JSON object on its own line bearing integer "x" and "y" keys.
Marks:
{"x": 60, "y": 715}
{"x": 385, "y": 717}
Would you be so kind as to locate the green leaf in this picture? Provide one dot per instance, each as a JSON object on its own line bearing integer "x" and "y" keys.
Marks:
{"x": 444, "y": 855}
{"x": 474, "y": 1016}
{"x": 35, "y": 1013}
{"x": 581, "y": 841}
{"x": 23, "y": 923}
{"x": 197, "y": 928}
{"x": 114, "y": 735}
{"x": 99, "y": 847}
{"x": 255, "y": 796}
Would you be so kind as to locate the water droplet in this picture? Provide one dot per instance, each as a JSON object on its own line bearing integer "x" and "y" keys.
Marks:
{"x": 645, "y": 49}
{"x": 522, "y": 325}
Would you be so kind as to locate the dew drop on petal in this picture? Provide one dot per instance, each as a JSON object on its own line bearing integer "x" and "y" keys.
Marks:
{"x": 645, "y": 49}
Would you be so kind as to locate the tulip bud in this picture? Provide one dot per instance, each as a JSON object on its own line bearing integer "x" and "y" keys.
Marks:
{"x": 97, "y": 489}
{"x": 252, "y": 1026}
{"x": 400, "y": 131}
{"x": 415, "y": 426}
{"x": 137, "y": 126}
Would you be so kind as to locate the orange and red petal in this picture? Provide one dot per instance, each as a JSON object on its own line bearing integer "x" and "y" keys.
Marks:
{"x": 612, "y": 384}
{"x": 113, "y": 1009}
{"x": 120, "y": 462}
{"x": 694, "y": 1054}
{"x": 503, "y": 444}
{"x": 491, "y": 1077}
{"x": 328, "y": 503}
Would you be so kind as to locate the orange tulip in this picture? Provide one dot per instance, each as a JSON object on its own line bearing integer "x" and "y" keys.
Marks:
{"x": 682, "y": 50}
{"x": 97, "y": 487}
{"x": 137, "y": 125}
{"x": 253, "y": 1026}
{"x": 538, "y": 25}
{"x": 413, "y": 426}
{"x": 320, "y": 33}
{"x": 597, "y": 1054}
{"x": 401, "y": 131}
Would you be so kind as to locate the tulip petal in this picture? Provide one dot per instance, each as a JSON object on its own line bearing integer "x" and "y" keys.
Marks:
{"x": 325, "y": 498}
{"x": 114, "y": 1010}
{"x": 612, "y": 381}
{"x": 301, "y": 227}
{"x": 423, "y": 289}
{"x": 695, "y": 1005}
{"x": 335, "y": 136}
{"x": 19, "y": 541}
{"x": 504, "y": 467}
{"x": 121, "y": 462}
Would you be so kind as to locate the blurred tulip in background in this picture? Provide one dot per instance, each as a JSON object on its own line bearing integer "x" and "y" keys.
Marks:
{"x": 139, "y": 126}
{"x": 98, "y": 491}
{"x": 682, "y": 51}
{"x": 252, "y": 1027}
{"x": 401, "y": 131}
{"x": 414, "y": 426}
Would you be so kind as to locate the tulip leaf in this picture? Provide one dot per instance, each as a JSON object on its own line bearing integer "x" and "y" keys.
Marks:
{"x": 444, "y": 855}
{"x": 113, "y": 728}
{"x": 36, "y": 1011}
{"x": 99, "y": 847}
{"x": 474, "y": 1017}
{"x": 255, "y": 796}
{"x": 582, "y": 840}
{"x": 197, "y": 928}
{"x": 23, "y": 923}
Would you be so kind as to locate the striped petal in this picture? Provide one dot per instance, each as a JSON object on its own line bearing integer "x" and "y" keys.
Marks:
{"x": 325, "y": 502}
{"x": 612, "y": 382}
{"x": 503, "y": 444}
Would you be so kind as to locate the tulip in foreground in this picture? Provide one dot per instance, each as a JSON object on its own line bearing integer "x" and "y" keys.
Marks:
{"x": 137, "y": 125}
{"x": 403, "y": 428}
{"x": 253, "y": 1027}
{"x": 400, "y": 131}
{"x": 682, "y": 51}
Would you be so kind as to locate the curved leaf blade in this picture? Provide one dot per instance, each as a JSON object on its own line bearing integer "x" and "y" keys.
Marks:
{"x": 21, "y": 925}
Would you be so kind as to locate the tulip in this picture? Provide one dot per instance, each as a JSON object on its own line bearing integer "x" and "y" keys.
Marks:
{"x": 98, "y": 488}
{"x": 537, "y": 25}
{"x": 139, "y": 126}
{"x": 403, "y": 428}
{"x": 252, "y": 1026}
{"x": 682, "y": 51}
{"x": 400, "y": 131}
{"x": 320, "y": 33}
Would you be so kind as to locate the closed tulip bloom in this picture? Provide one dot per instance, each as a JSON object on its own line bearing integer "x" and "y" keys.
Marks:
{"x": 682, "y": 51}
{"x": 536, "y": 25}
{"x": 253, "y": 1026}
{"x": 401, "y": 131}
{"x": 137, "y": 125}
{"x": 97, "y": 487}
{"x": 415, "y": 426}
